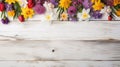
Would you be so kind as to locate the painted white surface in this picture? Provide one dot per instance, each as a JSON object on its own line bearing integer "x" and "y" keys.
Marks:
{"x": 60, "y": 44}
{"x": 93, "y": 30}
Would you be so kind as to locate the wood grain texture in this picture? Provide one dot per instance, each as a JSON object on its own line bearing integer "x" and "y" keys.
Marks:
{"x": 60, "y": 44}
{"x": 36, "y": 30}
{"x": 60, "y": 50}
{"x": 59, "y": 64}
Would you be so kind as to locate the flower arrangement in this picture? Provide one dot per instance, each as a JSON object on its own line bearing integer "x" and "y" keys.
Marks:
{"x": 67, "y": 10}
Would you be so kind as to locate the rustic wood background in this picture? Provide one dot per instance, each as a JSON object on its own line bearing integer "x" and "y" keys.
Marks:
{"x": 60, "y": 44}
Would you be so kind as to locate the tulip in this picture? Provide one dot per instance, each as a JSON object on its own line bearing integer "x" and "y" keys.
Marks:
{"x": 110, "y": 18}
{"x": 21, "y": 18}
{"x": 31, "y": 3}
{"x": 2, "y": 6}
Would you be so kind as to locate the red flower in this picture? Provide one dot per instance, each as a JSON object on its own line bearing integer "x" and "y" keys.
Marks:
{"x": 21, "y": 18}
{"x": 110, "y": 18}
{"x": 31, "y": 3}
{"x": 2, "y": 6}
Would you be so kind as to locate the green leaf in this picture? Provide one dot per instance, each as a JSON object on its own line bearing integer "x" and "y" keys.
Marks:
{"x": 2, "y": 14}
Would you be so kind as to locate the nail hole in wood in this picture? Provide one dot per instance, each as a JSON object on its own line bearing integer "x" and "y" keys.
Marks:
{"x": 53, "y": 50}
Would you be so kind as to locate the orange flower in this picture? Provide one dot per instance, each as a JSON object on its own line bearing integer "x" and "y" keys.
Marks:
{"x": 11, "y": 13}
{"x": 117, "y": 12}
{"x": 116, "y": 2}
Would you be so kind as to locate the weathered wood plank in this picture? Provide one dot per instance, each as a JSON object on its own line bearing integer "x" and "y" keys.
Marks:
{"x": 36, "y": 30}
{"x": 59, "y": 64}
{"x": 60, "y": 50}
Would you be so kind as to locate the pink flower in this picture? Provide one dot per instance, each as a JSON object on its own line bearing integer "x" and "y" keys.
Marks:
{"x": 39, "y": 9}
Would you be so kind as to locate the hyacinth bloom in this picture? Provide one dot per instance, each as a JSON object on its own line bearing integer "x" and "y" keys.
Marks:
{"x": 54, "y": 2}
{"x": 87, "y": 4}
{"x": 97, "y": 14}
{"x": 9, "y": 7}
{"x": 98, "y": 5}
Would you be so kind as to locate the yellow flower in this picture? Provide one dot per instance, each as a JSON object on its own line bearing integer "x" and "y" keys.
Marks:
{"x": 116, "y": 2}
{"x": 11, "y": 13}
{"x": 64, "y": 16}
{"x": 85, "y": 15}
{"x": 27, "y": 12}
{"x": 10, "y": 1}
{"x": 98, "y": 5}
{"x": 64, "y": 4}
{"x": 48, "y": 17}
{"x": 93, "y": 1}
{"x": 117, "y": 12}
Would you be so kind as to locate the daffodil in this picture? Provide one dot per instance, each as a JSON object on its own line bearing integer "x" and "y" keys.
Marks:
{"x": 49, "y": 17}
{"x": 116, "y": 2}
{"x": 27, "y": 12}
{"x": 98, "y": 5}
{"x": 64, "y": 4}
{"x": 10, "y": 1}
{"x": 64, "y": 16}
{"x": 84, "y": 15}
{"x": 11, "y": 13}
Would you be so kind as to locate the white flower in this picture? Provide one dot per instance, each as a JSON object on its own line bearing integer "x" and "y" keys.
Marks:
{"x": 50, "y": 12}
{"x": 48, "y": 17}
{"x": 84, "y": 15}
{"x": 23, "y": 3}
{"x": 49, "y": 7}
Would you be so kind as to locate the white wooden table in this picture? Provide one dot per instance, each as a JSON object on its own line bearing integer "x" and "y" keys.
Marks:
{"x": 60, "y": 44}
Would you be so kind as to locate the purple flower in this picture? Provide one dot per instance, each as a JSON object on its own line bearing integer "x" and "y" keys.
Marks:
{"x": 79, "y": 1}
{"x": 87, "y": 4}
{"x": 5, "y": 20}
{"x": 39, "y": 9}
{"x": 9, "y": 7}
{"x": 96, "y": 14}
{"x": 40, "y": 1}
{"x": 72, "y": 10}
{"x": 54, "y": 2}
{"x": 73, "y": 18}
